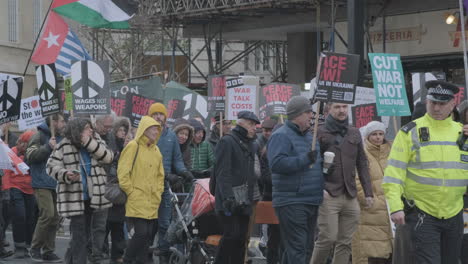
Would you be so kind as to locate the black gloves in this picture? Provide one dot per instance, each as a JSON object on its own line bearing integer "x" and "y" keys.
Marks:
{"x": 187, "y": 175}
{"x": 312, "y": 156}
{"x": 175, "y": 182}
{"x": 229, "y": 204}
{"x": 202, "y": 174}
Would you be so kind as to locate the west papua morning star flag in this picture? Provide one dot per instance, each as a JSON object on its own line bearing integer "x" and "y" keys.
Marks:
{"x": 72, "y": 50}
{"x": 59, "y": 44}
{"x": 51, "y": 41}
{"x": 98, "y": 13}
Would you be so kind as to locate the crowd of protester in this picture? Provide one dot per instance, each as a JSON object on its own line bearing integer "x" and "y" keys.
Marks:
{"x": 71, "y": 163}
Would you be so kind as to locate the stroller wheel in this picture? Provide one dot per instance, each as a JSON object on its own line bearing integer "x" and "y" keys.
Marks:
{"x": 177, "y": 257}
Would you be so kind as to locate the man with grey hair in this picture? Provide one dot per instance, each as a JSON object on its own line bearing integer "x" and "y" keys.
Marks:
{"x": 297, "y": 181}
{"x": 235, "y": 184}
{"x": 104, "y": 124}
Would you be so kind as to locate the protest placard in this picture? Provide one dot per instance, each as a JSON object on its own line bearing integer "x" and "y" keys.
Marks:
{"x": 175, "y": 110}
{"x": 273, "y": 98}
{"x": 241, "y": 95}
{"x": 338, "y": 77}
{"x": 68, "y": 102}
{"x": 90, "y": 86}
{"x": 31, "y": 114}
{"x": 150, "y": 88}
{"x": 46, "y": 77}
{"x": 138, "y": 107}
{"x": 10, "y": 99}
{"x": 389, "y": 84}
{"x": 363, "y": 114}
{"x": 216, "y": 93}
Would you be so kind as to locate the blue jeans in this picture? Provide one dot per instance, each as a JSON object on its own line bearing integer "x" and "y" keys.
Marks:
{"x": 297, "y": 225}
{"x": 164, "y": 219}
{"x": 23, "y": 217}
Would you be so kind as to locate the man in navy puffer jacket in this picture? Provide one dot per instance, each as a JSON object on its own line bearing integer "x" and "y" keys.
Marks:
{"x": 297, "y": 181}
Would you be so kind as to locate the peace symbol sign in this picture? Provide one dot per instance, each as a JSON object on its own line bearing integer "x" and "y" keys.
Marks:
{"x": 8, "y": 94}
{"x": 87, "y": 79}
{"x": 46, "y": 81}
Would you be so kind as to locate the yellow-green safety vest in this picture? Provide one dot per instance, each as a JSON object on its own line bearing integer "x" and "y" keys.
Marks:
{"x": 427, "y": 166}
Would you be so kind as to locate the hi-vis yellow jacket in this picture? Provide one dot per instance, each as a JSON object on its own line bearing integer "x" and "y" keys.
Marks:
{"x": 427, "y": 166}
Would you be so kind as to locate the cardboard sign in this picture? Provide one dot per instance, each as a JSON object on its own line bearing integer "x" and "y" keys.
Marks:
{"x": 90, "y": 86}
{"x": 389, "y": 84}
{"x": 338, "y": 77}
{"x": 363, "y": 114}
{"x": 241, "y": 95}
{"x": 10, "y": 99}
{"x": 31, "y": 114}
{"x": 139, "y": 107}
{"x": 175, "y": 110}
{"x": 47, "y": 88}
{"x": 274, "y": 97}
{"x": 216, "y": 93}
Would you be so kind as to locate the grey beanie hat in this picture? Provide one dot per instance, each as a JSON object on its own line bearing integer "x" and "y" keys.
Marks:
{"x": 373, "y": 126}
{"x": 296, "y": 106}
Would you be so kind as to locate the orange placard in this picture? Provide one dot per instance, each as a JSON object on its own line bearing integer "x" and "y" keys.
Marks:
{"x": 265, "y": 213}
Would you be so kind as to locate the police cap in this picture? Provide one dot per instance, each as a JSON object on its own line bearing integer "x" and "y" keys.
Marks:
{"x": 440, "y": 91}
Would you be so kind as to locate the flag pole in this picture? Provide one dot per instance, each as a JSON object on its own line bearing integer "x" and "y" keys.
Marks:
{"x": 37, "y": 38}
{"x": 465, "y": 59}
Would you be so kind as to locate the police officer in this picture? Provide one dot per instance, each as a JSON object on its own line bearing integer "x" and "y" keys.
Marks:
{"x": 426, "y": 177}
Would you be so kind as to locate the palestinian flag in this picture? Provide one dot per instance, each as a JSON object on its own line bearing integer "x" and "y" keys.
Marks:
{"x": 97, "y": 13}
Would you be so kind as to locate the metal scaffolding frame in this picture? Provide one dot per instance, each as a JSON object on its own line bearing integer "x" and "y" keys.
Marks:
{"x": 164, "y": 20}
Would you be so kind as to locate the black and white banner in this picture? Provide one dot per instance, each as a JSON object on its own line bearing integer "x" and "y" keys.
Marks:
{"x": 10, "y": 99}
{"x": 90, "y": 86}
{"x": 47, "y": 86}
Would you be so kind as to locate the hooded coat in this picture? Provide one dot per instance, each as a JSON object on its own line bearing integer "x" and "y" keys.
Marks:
{"x": 202, "y": 154}
{"x": 117, "y": 212}
{"x": 66, "y": 157}
{"x": 373, "y": 238}
{"x": 180, "y": 124}
{"x": 141, "y": 173}
{"x": 37, "y": 153}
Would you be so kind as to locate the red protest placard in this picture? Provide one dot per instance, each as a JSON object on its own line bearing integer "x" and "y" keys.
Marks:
{"x": 363, "y": 114}
{"x": 338, "y": 78}
{"x": 216, "y": 93}
{"x": 274, "y": 97}
{"x": 139, "y": 107}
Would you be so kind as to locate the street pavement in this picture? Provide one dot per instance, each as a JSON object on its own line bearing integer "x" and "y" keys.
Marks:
{"x": 64, "y": 238}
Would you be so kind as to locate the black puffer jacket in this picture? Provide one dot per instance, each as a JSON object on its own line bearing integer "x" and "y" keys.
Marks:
{"x": 234, "y": 166}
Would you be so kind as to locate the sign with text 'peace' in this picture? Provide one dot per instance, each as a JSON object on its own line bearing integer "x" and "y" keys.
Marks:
{"x": 90, "y": 87}
{"x": 389, "y": 84}
{"x": 339, "y": 74}
{"x": 47, "y": 86}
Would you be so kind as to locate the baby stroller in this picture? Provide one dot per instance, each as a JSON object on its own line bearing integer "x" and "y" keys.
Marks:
{"x": 194, "y": 231}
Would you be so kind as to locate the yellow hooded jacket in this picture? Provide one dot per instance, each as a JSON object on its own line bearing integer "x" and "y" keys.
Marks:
{"x": 144, "y": 183}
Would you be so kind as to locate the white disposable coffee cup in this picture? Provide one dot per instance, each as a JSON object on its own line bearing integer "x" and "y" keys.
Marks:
{"x": 329, "y": 157}
{"x": 328, "y": 161}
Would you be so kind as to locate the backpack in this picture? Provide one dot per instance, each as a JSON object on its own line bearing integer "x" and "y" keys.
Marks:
{"x": 244, "y": 148}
